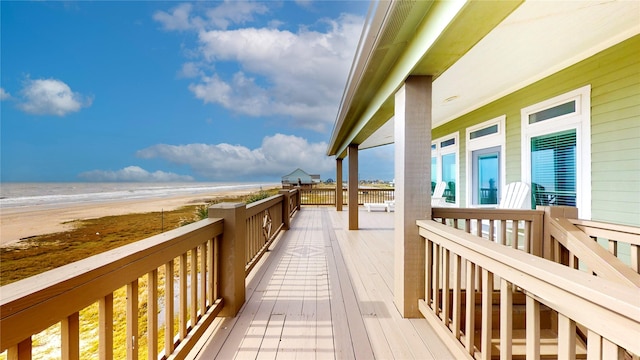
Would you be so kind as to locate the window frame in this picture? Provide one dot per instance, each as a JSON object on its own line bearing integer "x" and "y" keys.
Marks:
{"x": 580, "y": 121}
{"x": 438, "y": 152}
{"x": 485, "y": 142}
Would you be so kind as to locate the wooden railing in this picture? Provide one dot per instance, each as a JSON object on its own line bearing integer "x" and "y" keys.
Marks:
{"x": 616, "y": 237}
{"x": 59, "y": 295}
{"x": 264, "y": 222}
{"x": 606, "y": 312}
{"x": 328, "y": 196}
{"x": 520, "y": 229}
{"x": 200, "y": 286}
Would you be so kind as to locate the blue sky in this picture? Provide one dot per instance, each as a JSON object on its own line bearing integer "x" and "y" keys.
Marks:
{"x": 173, "y": 91}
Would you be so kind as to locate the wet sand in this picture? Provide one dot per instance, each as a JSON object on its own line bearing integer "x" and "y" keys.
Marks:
{"x": 20, "y": 223}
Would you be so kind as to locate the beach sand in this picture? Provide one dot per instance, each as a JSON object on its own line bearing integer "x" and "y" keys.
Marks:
{"x": 20, "y": 223}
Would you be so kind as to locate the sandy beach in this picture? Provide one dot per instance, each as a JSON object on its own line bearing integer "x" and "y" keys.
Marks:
{"x": 20, "y": 223}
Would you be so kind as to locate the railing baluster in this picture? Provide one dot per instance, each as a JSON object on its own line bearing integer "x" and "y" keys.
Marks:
{"x": 566, "y": 338}
{"x": 152, "y": 314}
{"x": 594, "y": 346}
{"x": 613, "y": 247}
{"x": 492, "y": 235}
{"x": 527, "y": 237}
{"x": 446, "y": 273}
{"x": 506, "y": 319}
{"x": 105, "y": 327}
{"x": 428, "y": 276}
{"x": 503, "y": 232}
{"x": 182, "y": 309}
{"x": 21, "y": 351}
{"x": 216, "y": 268}
{"x": 456, "y": 296}
{"x": 611, "y": 350}
{"x": 132, "y": 320}
{"x": 169, "y": 344}
{"x": 203, "y": 279}
{"x": 635, "y": 257}
{"x": 210, "y": 272}
{"x": 532, "y": 328}
{"x": 514, "y": 233}
{"x": 70, "y": 334}
{"x": 487, "y": 306}
{"x": 194, "y": 287}
{"x": 470, "y": 308}
{"x": 436, "y": 279}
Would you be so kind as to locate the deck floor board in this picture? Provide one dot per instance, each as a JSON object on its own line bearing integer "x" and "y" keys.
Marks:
{"x": 324, "y": 292}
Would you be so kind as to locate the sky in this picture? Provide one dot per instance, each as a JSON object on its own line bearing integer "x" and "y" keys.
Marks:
{"x": 175, "y": 91}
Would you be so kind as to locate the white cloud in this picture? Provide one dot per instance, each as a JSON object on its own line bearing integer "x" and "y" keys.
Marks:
{"x": 133, "y": 173}
{"x": 277, "y": 156}
{"x": 222, "y": 16}
{"x": 51, "y": 97}
{"x": 298, "y": 76}
{"x": 4, "y": 95}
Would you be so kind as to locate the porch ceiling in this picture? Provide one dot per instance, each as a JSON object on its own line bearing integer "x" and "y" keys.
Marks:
{"x": 485, "y": 50}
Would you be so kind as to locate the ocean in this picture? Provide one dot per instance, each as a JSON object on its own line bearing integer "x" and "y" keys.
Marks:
{"x": 16, "y": 195}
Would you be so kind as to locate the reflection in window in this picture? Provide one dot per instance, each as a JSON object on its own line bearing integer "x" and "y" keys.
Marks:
{"x": 449, "y": 176}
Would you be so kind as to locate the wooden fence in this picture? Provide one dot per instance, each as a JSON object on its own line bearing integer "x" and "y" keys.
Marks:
{"x": 186, "y": 261}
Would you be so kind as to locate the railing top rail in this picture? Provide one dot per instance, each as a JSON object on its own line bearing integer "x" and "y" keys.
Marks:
{"x": 599, "y": 260}
{"x": 30, "y": 305}
{"x": 591, "y": 301}
{"x": 626, "y": 233}
{"x": 486, "y": 213}
{"x": 262, "y": 205}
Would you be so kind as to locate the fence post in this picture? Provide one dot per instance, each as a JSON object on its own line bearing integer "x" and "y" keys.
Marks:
{"x": 232, "y": 255}
{"x": 286, "y": 211}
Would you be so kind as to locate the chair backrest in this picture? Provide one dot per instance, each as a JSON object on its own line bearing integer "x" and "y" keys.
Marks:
{"x": 439, "y": 189}
{"x": 516, "y": 195}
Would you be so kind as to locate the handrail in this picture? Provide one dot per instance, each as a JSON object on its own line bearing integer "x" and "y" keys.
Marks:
{"x": 614, "y": 234}
{"x": 595, "y": 257}
{"x": 610, "y": 311}
{"x": 31, "y": 305}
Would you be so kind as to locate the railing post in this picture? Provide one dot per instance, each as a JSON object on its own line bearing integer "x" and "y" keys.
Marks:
{"x": 286, "y": 211}
{"x": 232, "y": 255}
{"x": 554, "y": 212}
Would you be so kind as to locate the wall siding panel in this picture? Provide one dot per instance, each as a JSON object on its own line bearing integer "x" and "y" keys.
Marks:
{"x": 614, "y": 76}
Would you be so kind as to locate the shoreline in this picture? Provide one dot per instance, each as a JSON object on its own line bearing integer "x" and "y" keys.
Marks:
{"x": 17, "y": 224}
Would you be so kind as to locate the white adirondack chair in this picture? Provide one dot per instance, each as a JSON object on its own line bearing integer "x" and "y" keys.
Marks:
{"x": 516, "y": 195}
{"x": 437, "y": 198}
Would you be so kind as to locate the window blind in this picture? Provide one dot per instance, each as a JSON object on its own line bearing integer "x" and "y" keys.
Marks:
{"x": 553, "y": 169}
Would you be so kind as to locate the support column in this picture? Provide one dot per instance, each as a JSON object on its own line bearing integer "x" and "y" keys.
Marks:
{"x": 352, "y": 153}
{"x": 412, "y": 134}
{"x": 339, "y": 199}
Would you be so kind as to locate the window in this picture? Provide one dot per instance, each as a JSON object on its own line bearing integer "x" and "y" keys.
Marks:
{"x": 444, "y": 165}
{"x": 485, "y": 162}
{"x": 556, "y": 151}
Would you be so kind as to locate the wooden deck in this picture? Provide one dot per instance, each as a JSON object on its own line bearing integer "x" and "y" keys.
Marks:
{"x": 324, "y": 292}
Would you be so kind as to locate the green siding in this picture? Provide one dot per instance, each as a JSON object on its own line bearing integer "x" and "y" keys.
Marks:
{"x": 614, "y": 76}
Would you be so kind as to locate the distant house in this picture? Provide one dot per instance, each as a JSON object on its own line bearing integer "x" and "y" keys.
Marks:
{"x": 300, "y": 178}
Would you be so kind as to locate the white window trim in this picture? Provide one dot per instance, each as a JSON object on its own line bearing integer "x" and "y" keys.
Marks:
{"x": 580, "y": 120}
{"x": 453, "y": 149}
{"x": 487, "y": 141}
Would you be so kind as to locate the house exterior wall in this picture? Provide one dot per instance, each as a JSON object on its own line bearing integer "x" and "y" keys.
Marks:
{"x": 614, "y": 76}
